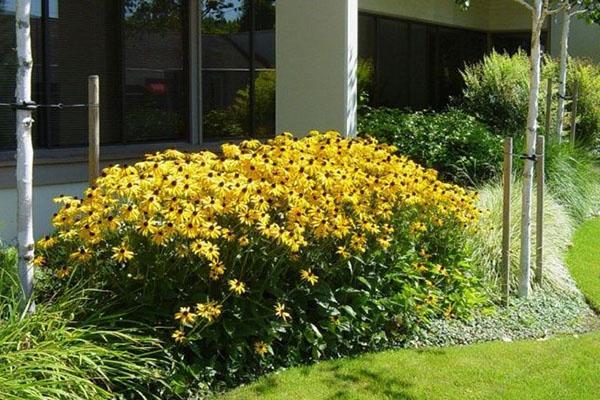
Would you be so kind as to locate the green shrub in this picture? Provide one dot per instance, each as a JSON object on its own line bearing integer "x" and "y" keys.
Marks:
{"x": 273, "y": 254}
{"x": 486, "y": 243}
{"x": 587, "y": 74}
{"x": 46, "y": 356}
{"x": 497, "y": 92}
{"x": 458, "y": 146}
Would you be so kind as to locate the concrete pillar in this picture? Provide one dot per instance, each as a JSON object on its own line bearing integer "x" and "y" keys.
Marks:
{"x": 317, "y": 55}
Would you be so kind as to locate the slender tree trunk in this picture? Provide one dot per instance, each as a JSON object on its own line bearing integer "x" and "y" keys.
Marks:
{"x": 24, "y": 150}
{"x": 564, "y": 59}
{"x": 530, "y": 143}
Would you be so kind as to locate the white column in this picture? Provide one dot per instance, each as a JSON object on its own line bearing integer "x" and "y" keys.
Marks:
{"x": 317, "y": 55}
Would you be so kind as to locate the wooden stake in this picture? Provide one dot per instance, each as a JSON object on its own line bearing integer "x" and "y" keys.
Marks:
{"x": 94, "y": 128}
{"x": 539, "y": 221}
{"x": 574, "y": 114}
{"x": 506, "y": 217}
{"x": 548, "y": 107}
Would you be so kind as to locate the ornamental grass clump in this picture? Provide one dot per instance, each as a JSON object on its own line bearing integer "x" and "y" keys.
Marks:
{"x": 273, "y": 254}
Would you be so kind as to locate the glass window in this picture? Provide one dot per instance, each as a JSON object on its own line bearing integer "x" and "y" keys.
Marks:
{"x": 238, "y": 69}
{"x": 511, "y": 42}
{"x": 139, "y": 49}
{"x": 417, "y": 65}
{"x": 155, "y": 70}
{"x": 82, "y": 40}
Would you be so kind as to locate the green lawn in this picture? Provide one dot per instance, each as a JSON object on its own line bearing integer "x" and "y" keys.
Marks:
{"x": 560, "y": 368}
{"x": 584, "y": 260}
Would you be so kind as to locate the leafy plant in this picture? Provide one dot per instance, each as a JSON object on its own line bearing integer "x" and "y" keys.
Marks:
{"x": 586, "y": 74}
{"x": 497, "y": 91}
{"x": 454, "y": 143}
{"x": 273, "y": 254}
{"x": 45, "y": 355}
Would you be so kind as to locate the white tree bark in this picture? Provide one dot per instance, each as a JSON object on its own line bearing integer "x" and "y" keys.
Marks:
{"x": 564, "y": 58}
{"x": 538, "y": 16}
{"x": 24, "y": 150}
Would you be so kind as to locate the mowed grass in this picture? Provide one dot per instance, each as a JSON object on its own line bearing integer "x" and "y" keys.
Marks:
{"x": 583, "y": 260}
{"x": 560, "y": 368}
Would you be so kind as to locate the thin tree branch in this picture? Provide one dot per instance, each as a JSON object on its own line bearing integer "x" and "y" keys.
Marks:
{"x": 574, "y": 13}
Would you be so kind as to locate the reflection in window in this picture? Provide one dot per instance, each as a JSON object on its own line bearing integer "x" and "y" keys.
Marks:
{"x": 154, "y": 52}
{"x": 139, "y": 49}
{"x": 238, "y": 68}
{"x": 416, "y": 65}
{"x": 81, "y": 40}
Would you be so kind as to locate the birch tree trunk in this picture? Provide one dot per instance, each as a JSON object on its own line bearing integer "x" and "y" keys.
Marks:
{"x": 564, "y": 58}
{"x": 24, "y": 150}
{"x": 530, "y": 143}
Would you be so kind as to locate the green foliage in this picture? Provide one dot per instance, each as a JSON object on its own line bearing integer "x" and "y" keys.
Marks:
{"x": 46, "y": 355}
{"x": 264, "y": 104}
{"x": 497, "y": 92}
{"x": 365, "y": 73}
{"x": 369, "y": 290}
{"x": 587, "y": 75}
{"x": 548, "y": 313}
{"x": 573, "y": 177}
{"x": 234, "y": 120}
{"x": 454, "y": 143}
{"x": 486, "y": 243}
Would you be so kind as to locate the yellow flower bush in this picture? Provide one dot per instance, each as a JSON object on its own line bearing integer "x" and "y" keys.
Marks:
{"x": 262, "y": 231}
{"x": 289, "y": 191}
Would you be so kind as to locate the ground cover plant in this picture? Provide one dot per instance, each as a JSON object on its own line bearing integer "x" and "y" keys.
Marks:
{"x": 273, "y": 254}
{"x": 461, "y": 148}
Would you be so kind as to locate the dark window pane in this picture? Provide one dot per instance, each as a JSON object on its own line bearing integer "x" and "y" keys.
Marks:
{"x": 155, "y": 77}
{"x": 226, "y": 75}
{"x": 367, "y": 32}
{"x": 264, "y": 64}
{"x": 393, "y": 74}
{"x": 511, "y": 42}
{"x": 419, "y": 67}
{"x": 83, "y": 40}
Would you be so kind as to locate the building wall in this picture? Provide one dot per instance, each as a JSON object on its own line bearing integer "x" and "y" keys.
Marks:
{"x": 584, "y": 39}
{"x": 486, "y": 15}
{"x": 43, "y": 208}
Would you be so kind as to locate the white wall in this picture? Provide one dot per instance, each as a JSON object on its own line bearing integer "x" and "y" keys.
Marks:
{"x": 43, "y": 208}
{"x": 317, "y": 52}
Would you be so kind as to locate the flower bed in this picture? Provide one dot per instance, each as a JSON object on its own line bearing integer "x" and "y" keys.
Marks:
{"x": 272, "y": 254}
